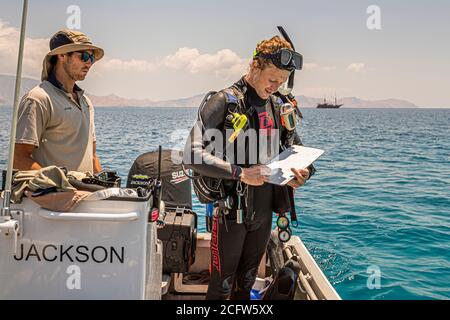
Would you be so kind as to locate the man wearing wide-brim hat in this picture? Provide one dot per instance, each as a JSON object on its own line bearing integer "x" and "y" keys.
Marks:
{"x": 56, "y": 118}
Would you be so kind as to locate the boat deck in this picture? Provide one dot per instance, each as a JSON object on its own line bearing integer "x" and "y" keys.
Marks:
{"x": 312, "y": 283}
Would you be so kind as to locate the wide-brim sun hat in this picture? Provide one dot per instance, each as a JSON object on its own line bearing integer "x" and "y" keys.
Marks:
{"x": 66, "y": 41}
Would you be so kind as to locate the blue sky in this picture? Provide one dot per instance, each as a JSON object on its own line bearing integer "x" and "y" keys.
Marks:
{"x": 173, "y": 49}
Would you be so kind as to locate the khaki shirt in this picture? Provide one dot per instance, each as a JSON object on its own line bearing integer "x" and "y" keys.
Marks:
{"x": 62, "y": 130}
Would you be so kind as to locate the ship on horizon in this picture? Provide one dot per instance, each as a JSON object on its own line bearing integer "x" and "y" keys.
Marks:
{"x": 326, "y": 105}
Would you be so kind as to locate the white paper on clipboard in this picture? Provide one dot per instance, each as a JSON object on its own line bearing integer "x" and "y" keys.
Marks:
{"x": 297, "y": 157}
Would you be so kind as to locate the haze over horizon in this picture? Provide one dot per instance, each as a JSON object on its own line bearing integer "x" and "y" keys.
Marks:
{"x": 7, "y": 84}
{"x": 173, "y": 49}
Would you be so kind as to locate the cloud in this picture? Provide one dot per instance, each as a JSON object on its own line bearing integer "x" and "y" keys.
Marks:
{"x": 357, "y": 67}
{"x": 113, "y": 64}
{"x": 34, "y": 51}
{"x": 353, "y": 67}
{"x": 223, "y": 62}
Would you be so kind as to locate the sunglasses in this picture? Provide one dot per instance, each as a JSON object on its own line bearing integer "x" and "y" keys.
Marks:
{"x": 86, "y": 56}
{"x": 284, "y": 59}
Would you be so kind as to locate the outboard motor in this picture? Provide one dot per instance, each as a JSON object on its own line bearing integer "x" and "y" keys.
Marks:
{"x": 179, "y": 223}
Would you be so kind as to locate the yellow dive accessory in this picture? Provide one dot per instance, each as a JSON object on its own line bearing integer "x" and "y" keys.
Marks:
{"x": 239, "y": 122}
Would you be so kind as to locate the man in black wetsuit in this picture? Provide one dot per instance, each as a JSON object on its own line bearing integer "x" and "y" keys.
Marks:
{"x": 237, "y": 246}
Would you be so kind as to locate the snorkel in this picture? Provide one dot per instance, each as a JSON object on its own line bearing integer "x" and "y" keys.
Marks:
{"x": 287, "y": 89}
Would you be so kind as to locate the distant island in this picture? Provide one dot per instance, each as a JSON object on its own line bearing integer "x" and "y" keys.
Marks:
{"x": 7, "y": 89}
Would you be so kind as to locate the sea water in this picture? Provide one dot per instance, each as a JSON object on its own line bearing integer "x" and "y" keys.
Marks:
{"x": 376, "y": 216}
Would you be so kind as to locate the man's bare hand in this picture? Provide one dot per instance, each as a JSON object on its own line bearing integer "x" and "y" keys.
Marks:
{"x": 301, "y": 175}
{"x": 255, "y": 176}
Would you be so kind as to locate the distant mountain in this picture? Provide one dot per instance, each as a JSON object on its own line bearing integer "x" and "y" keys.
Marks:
{"x": 7, "y": 83}
{"x": 116, "y": 101}
{"x": 113, "y": 100}
{"x": 182, "y": 103}
{"x": 7, "y": 86}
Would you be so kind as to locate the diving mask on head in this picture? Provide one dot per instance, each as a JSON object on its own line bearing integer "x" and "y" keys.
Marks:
{"x": 284, "y": 59}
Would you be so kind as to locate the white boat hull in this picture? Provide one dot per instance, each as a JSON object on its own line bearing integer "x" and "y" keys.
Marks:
{"x": 102, "y": 250}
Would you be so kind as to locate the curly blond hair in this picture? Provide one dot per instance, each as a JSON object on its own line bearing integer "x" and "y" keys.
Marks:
{"x": 268, "y": 47}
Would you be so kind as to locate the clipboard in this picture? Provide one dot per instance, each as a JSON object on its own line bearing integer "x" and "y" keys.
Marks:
{"x": 297, "y": 157}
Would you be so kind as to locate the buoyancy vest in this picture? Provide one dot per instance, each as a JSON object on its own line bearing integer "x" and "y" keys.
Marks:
{"x": 210, "y": 189}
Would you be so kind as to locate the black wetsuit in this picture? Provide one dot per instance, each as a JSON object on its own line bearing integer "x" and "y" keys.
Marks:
{"x": 237, "y": 249}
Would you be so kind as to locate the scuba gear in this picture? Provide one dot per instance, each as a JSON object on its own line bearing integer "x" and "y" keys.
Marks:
{"x": 218, "y": 176}
{"x": 237, "y": 117}
{"x": 284, "y": 89}
{"x": 293, "y": 211}
{"x": 239, "y": 234}
{"x": 239, "y": 122}
{"x": 225, "y": 203}
{"x": 109, "y": 176}
{"x": 207, "y": 189}
{"x": 285, "y": 235}
{"x": 282, "y": 222}
{"x": 105, "y": 178}
{"x": 240, "y": 211}
{"x": 284, "y": 284}
{"x": 284, "y": 232}
{"x": 287, "y": 88}
{"x": 288, "y": 116}
{"x": 284, "y": 59}
{"x": 236, "y": 248}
